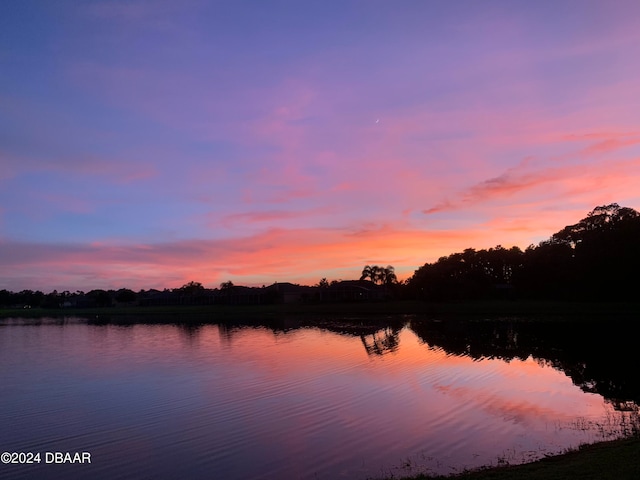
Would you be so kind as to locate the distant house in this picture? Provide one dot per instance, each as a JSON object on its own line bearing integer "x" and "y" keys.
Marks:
{"x": 78, "y": 301}
{"x": 354, "y": 291}
{"x": 286, "y": 292}
{"x": 239, "y": 295}
{"x": 177, "y": 297}
{"x": 155, "y": 297}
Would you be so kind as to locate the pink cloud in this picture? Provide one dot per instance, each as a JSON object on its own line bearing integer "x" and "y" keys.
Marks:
{"x": 271, "y": 216}
{"x": 511, "y": 182}
{"x": 301, "y": 255}
{"x": 561, "y": 181}
{"x": 419, "y": 153}
{"x": 596, "y": 136}
{"x": 609, "y": 145}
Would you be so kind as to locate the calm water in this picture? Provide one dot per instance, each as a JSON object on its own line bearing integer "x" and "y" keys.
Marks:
{"x": 167, "y": 401}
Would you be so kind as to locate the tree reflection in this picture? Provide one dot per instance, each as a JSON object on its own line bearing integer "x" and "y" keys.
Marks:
{"x": 381, "y": 341}
{"x": 378, "y": 334}
{"x": 597, "y": 356}
{"x": 190, "y": 332}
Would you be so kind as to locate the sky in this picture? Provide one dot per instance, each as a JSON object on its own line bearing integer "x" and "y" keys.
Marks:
{"x": 149, "y": 143}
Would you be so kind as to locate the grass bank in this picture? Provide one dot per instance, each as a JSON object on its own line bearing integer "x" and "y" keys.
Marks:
{"x": 614, "y": 460}
{"x": 221, "y": 312}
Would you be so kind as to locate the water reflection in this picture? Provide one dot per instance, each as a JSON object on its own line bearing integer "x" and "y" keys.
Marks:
{"x": 301, "y": 398}
{"x": 595, "y": 354}
{"x": 384, "y": 340}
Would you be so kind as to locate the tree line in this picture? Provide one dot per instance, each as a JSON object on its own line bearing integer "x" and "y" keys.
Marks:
{"x": 597, "y": 258}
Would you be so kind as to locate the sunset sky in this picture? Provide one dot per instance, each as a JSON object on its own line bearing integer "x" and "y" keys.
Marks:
{"x": 144, "y": 144}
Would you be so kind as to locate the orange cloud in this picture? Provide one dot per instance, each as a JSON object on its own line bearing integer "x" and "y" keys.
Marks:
{"x": 301, "y": 255}
{"x": 565, "y": 180}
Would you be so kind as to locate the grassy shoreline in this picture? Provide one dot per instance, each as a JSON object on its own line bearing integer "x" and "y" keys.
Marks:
{"x": 215, "y": 312}
{"x": 609, "y": 460}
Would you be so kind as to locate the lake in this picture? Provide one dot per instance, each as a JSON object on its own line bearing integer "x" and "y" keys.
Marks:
{"x": 349, "y": 399}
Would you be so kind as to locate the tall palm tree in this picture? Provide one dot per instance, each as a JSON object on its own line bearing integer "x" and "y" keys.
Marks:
{"x": 379, "y": 275}
{"x": 388, "y": 275}
{"x": 369, "y": 272}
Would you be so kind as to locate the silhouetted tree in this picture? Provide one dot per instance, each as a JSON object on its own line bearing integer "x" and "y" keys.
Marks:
{"x": 548, "y": 271}
{"x": 597, "y": 258}
{"x": 6, "y": 298}
{"x": 379, "y": 275}
{"x": 388, "y": 275}
{"x": 322, "y": 285}
{"x": 100, "y": 298}
{"x": 124, "y": 295}
{"x": 370, "y": 272}
{"x": 191, "y": 288}
{"x": 600, "y": 220}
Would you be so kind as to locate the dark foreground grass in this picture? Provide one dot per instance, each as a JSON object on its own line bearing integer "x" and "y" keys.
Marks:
{"x": 222, "y": 312}
{"x": 615, "y": 460}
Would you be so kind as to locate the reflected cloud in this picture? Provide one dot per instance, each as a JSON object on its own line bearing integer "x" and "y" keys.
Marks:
{"x": 519, "y": 411}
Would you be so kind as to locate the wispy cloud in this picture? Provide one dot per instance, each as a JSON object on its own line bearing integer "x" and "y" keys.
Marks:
{"x": 270, "y": 216}
{"x": 259, "y": 147}
{"x": 610, "y": 145}
{"x": 587, "y": 166}
{"x": 272, "y": 255}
